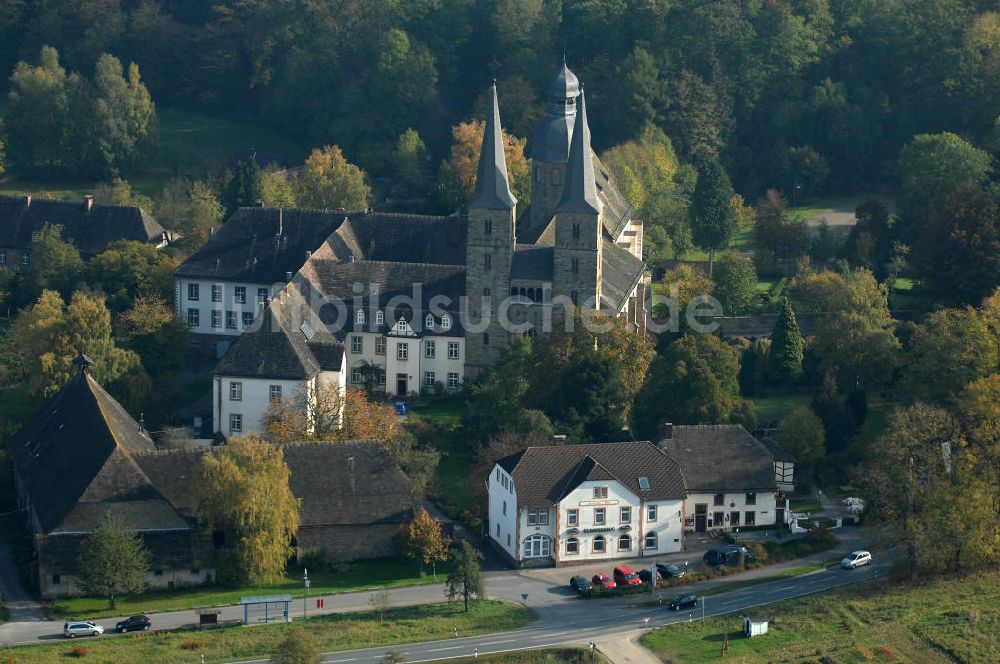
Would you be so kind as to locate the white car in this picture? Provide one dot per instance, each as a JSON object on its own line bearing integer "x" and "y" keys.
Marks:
{"x": 76, "y": 628}
{"x": 856, "y": 559}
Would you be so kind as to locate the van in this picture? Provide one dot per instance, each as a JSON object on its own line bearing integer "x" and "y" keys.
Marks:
{"x": 726, "y": 555}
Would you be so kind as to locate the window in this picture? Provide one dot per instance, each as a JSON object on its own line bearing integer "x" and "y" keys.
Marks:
{"x": 379, "y": 318}
{"x": 216, "y": 318}
{"x": 26, "y": 259}
{"x": 486, "y": 292}
{"x": 572, "y": 517}
{"x": 381, "y": 378}
{"x": 429, "y": 379}
{"x": 235, "y": 423}
{"x": 651, "y": 541}
{"x": 274, "y": 392}
{"x": 430, "y": 348}
{"x": 572, "y": 546}
{"x": 486, "y": 338}
{"x": 576, "y": 231}
{"x": 625, "y": 543}
{"x": 359, "y": 318}
{"x": 56, "y": 579}
{"x": 751, "y": 518}
{"x": 600, "y": 492}
{"x": 538, "y": 517}
{"x": 625, "y": 515}
{"x": 402, "y": 351}
{"x": 261, "y": 295}
{"x": 600, "y": 545}
{"x": 216, "y": 292}
{"x": 357, "y": 343}
{"x": 751, "y": 499}
{"x": 600, "y": 516}
{"x": 574, "y": 297}
{"x": 536, "y": 546}
{"x": 498, "y": 530}
{"x": 719, "y": 499}
{"x": 452, "y": 350}
{"x": 452, "y": 380}
{"x": 230, "y": 320}
{"x": 3, "y": 256}
{"x": 34, "y": 236}
{"x": 380, "y": 345}
{"x": 355, "y": 375}
{"x": 240, "y": 295}
{"x": 236, "y": 391}
{"x": 429, "y": 321}
{"x": 575, "y": 265}
{"x": 193, "y": 316}
{"x": 644, "y": 483}
{"x": 487, "y": 262}
{"x": 248, "y": 317}
{"x": 505, "y": 508}
{"x": 650, "y": 512}
{"x": 192, "y": 288}
{"x": 487, "y": 227}
{"x": 508, "y": 539}
{"x": 446, "y": 319}
{"x": 734, "y": 519}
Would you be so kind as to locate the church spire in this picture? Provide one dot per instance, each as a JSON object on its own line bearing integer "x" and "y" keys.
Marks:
{"x": 492, "y": 185}
{"x": 580, "y": 193}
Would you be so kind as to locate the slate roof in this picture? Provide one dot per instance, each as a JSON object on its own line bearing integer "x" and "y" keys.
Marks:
{"x": 720, "y": 458}
{"x": 580, "y": 191}
{"x": 620, "y": 272}
{"x": 78, "y": 449}
{"x": 492, "y": 190}
{"x": 248, "y": 247}
{"x": 532, "y": 262}
{"x": 404, "y": 238}
{"x": 90, "y": 230}
{"x": 551, "y": 137}
{"x": 288, "y": 340}
{"x": 544, "y": 475}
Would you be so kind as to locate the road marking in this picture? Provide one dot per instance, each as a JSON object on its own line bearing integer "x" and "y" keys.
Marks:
{"x": 781, "y": 590}
{"x": 440, "y": 649}
{"x": 491, "y": 643}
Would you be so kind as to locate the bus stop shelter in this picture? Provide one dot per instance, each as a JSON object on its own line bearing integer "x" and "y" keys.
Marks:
{"x": 265, "y": 608}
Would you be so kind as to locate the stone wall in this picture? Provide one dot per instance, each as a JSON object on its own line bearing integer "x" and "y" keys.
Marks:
{"x": 347, "y": 543}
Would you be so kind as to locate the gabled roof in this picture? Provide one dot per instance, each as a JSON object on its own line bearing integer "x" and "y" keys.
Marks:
{"x": 91, "y": 230}
{"x": 78, "y": 448}
{"x": 287, "y": 341}
{"x": 492, "y": 185}
{"x": 620, "y": 272}
{"x": 719, "y": 458}
{"x": 544, "y": 475}
{"x": 580, "y": 192}
{"x": 532, "y": 261}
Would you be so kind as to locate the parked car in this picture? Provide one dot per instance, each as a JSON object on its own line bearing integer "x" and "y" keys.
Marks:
{"x": 727, "y": 555}
{"x": 685, "y": 601}
{"x": 856, "y": 559}
{"x": 646, "y": 576}
{"x": 626, "y": 576}
{"x": 76, "y": 628}
{"x": 134, "y": 624}
{"x": 580, "y": 584}
{"x": 669, "y": 571}
{"x": 603, "y": 580}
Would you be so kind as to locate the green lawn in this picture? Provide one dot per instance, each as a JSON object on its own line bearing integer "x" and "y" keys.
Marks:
{"x": 389, "y": 573}
{"x": 332, "y": 632}
{"x": 810, "y": 505}
{"x": 777, "y": 406}
{"x": 440, "y": 424}
{"x": 952, "y": 620}
{"x": 15, "y": 408}
{"x": 742, "y": 241}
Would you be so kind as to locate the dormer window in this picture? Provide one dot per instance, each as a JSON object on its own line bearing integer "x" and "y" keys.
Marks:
{"x": 446, "y": 322}
{"x": 379, "y": 318}
{"x": 429, "y": 322}
{"x": 360, "y": 317}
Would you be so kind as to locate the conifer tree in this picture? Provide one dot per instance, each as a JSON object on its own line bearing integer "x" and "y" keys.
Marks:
{"x": 713, "y": 218}
{"x": 787, "y": 347}
{"x": 246, "y": 188}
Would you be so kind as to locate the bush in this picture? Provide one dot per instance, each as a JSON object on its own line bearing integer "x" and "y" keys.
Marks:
{"x": 79, "y": 651}
{"x": 298, "y": 648}
{"x": 815, "y": 541}
{"x": 316, "y": 557}
{"x": 193, "y": 645}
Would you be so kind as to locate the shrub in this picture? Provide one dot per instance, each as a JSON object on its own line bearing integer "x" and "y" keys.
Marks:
{"x": 888, "y": 653}
{"x": 316, "y": 557}
{"x": 193, "y": 645}
{"x": 10, "y": 660}
{"x": 79, "y": 651}
{"x": 866, "y": 653}
{"x": 298, "y": 648}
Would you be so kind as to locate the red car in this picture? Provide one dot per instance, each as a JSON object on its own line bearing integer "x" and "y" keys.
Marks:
{"x": 602, "y": 580}
{"x": 626, "y": 576}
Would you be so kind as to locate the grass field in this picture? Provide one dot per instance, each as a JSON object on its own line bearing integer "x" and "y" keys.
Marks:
{"x": 777, "y": 406}
{"x": 332, "y": 632}
{"x": 364, "y": 575}
{"x": 450, "y": 489}
{"x": 952, "y": 620}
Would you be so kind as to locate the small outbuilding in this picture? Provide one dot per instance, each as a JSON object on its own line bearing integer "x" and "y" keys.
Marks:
{"x": 754, "y": 626}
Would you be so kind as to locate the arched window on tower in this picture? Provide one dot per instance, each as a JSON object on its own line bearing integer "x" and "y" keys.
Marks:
{"x": 360, "y": 317}
{"x": 429, "y": 322}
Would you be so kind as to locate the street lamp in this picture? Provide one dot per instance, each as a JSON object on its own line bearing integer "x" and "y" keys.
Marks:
{"x": 593, "y": 652}
{"x": 305, "y": 598}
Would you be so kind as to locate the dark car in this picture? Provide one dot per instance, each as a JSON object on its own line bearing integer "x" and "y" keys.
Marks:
{"x": 669, "y": 571}
{"x": 603, "y": 580}
{"x": 647, "y": 577}
{"x": 727, "y": 555}
{"x": 683, "y": 602}
{"x": 580, "y": 584}
{"x": 626, "y": 576}
{"x": 134, "y": 624}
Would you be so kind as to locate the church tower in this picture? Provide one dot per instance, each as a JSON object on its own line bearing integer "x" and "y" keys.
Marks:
{"x": 550, "y": 144}
{"x": 578, "y": 245}
{"x": 490, "y": 247}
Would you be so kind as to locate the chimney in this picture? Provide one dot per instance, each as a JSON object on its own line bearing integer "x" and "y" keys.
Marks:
{"x": 88, "y": 201}
{"x": 350, "y": 469}
{"x": 559, "y": 439}
{"x": 308, "y": 254}
{"x": 281, "y": 221}
{"x": 27, "y": 201}
{"x": 260, "y": 203}
{"x": 667, "y": 431}
{"x": 288, "y": 277}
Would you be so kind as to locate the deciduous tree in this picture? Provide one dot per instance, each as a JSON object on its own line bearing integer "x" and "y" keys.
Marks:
{"x": 55, "y": 264}
{"x": 735, "y": 283}
{"x": 329, "y": 181}
{"x": 803, "y": 435}
{"x": 299, "y": 647}
{"x": 465, "y": 579}
{"x": 113, "y": 559}
{"x": 458, "y": 175}
{"x": 424, "y": 541}
{"x": 127, "y": 270}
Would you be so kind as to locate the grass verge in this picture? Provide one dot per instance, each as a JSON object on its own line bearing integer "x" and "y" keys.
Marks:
{"x": 552, "y": 655}
{"x": 338, "y": 631}
{"x": 366, "y": 575}
{"x": 783, "y": 574}
{"x": 950, "y": 620}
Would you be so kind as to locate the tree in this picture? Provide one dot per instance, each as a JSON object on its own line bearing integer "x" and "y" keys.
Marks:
{"x": 802, "y": 434}
{"x": 328, "y": 413}
{"x": 784, "y": 360}
{"x": 113, "y": 559}
{"x": 380, "y": 601}
{"x": 640, "y": 91}
{"x": 424, "y": 541}
{"x": 698, "y": 119}
{"x": 775, "y": 235}
{"x": 243, "y": 492}
{"x": 417, "y": 461}
{"x": 127, "y": 270}
{"x": 35, "y": 121}
{"x": 457, "y": 176}
{"x": 685, "y": 284}
{"x": 495, "y": 403}
{"x": 245, "y": 187}
{"x": 412, "y": 163}
{"x": 299, "y": 647}
{"x": 124, "y": 114}
{"x": 735, "y": 283}
{"x": 713, "y": 219}
{"x": 153, "y": 330}
{"x": 957, "y": 255}
{"x": 930, "y": 167}
{"x": 869, "y": 243}
{"x": 278, "y": 189}
{"x": 55, "y": 264}
{"x": 465, "y": 578}
{"x": 119, "y": 192}
{"x": 204, "y": 213}
{"x": 329, "y": 181}
{"x": 695, "y": 381}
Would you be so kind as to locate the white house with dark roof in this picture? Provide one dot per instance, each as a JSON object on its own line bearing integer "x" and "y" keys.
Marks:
{"x": 565, "y": 504}
{"x": 733, "y": 479}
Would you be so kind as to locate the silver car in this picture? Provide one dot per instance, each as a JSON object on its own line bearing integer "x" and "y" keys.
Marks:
{"x": 856, "y": 559}
{"x": 76, "y": 628}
